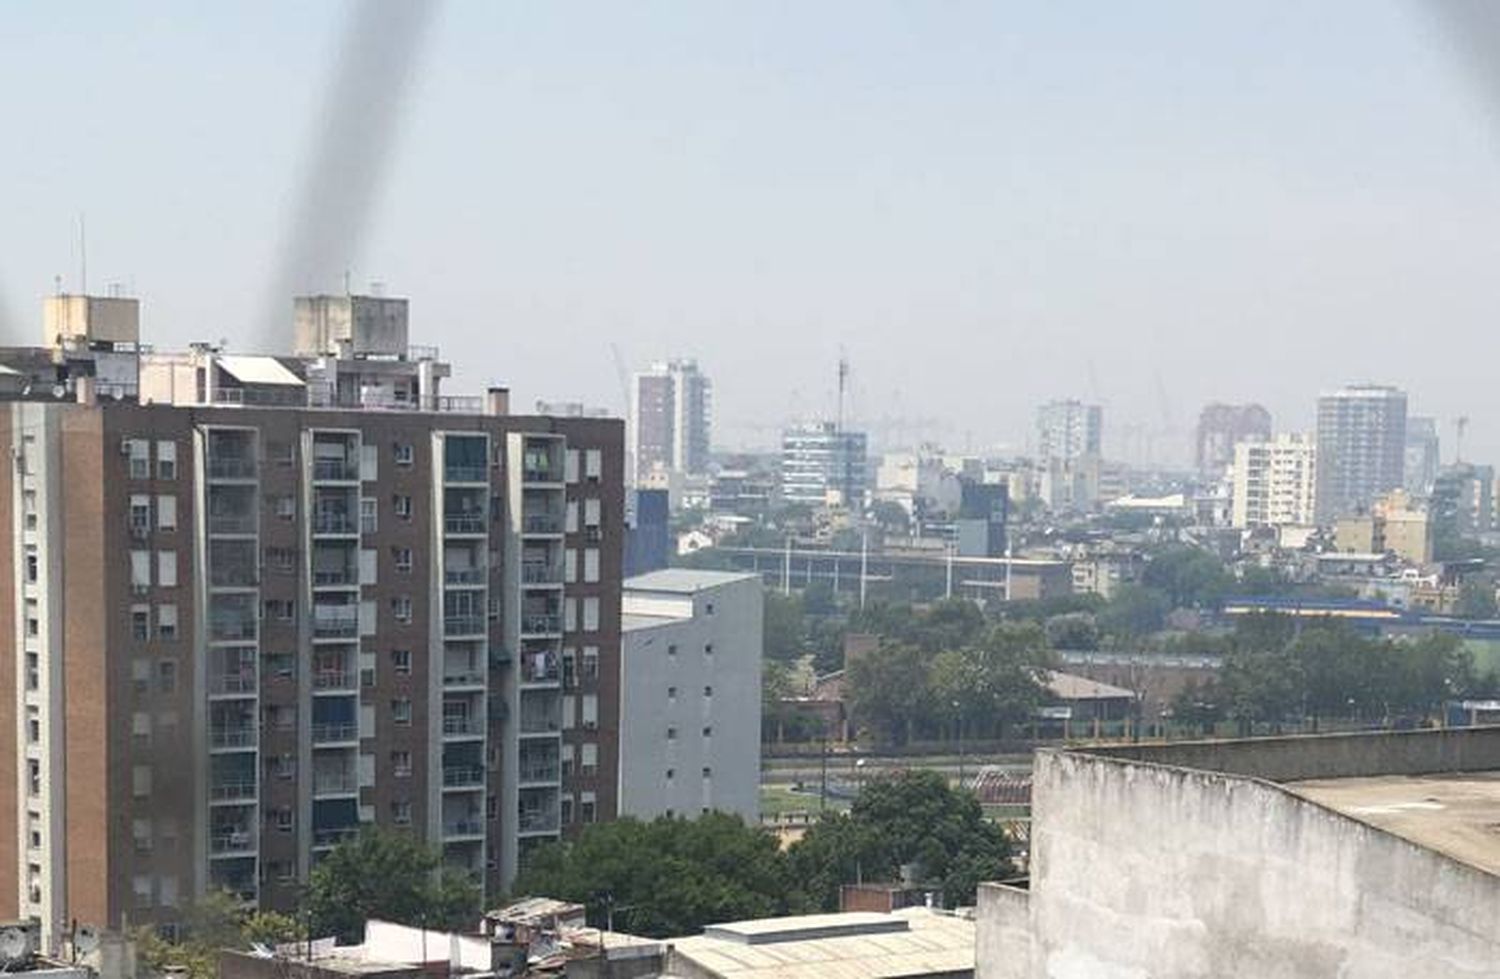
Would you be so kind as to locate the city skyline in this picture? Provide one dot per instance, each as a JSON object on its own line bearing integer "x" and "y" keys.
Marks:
{"x": 913, "y": 185}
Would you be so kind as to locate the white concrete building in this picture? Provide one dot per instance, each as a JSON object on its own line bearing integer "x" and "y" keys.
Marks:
{"x": 690, "y": 694}
{"x": 1275, "y": 483}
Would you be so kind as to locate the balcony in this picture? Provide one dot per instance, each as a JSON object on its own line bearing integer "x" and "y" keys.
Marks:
{"x": 463, "y": 727}
{"x": 464, "y": 625}
{"x": 463, "y": 777}
{"x": 465, "y": 524}
{"x": 463, "y": 827}
{"x": 233, "y": 575}
{"x": 231, "y": 523}
{"x": 539, "y": 668}
{"x": 538, "y": 821}
{"x": 455, "y": 473}
{"x": 327, "y": 839}
{"x": 237, "y": 736}
{"x": 335, "y": 471}
{"x": 541, "y": 474}
{"x": 235, "y": 840}
{"x": 231, "y": 629}
{"x": 335, "y": 626}
{"x": 334, "y": 524}
{"x": 541, "y": 574}
{"x": 541, "y": 625}
{"x": 335, "y": 732}
{"x": 335, "y": 783}
{"x": 230, "y": 467}
{"x": 335, "y": 577}
{"x": 543, "y": 523}
{"x": 463, "y": 678}
{"x": 232, "y": 790}
{"x": 465, "y": 576}
{"x": 335, "y": 679}
{"x": 243, "y": 681}
{"x": 546, "y": 774}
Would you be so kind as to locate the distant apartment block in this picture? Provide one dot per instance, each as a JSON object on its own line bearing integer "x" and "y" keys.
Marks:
{"x": 669, "y": 420}
{"x": 1423, "y": 455}
{"x": 1274, "y": 482}
{"x": 1220, "y": 428}
{"x": 690, "y": 683}
{"x": 1070, "y": 436}
{"x": 258, "y": 603}
{"x": 1361, "y": 448}
{"x": 821, "y": 465}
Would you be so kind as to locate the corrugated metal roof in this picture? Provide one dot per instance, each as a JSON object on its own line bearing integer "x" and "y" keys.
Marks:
{"x": 1069, "y": 686}
{"x": 683, "y": 580}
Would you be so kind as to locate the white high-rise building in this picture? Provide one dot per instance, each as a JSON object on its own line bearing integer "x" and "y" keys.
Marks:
{"x": 1361, "y": 447}
{"x": 1069, "y": 447}
{"x": 1275, "y": 482}
{"x": 669, "y": 420}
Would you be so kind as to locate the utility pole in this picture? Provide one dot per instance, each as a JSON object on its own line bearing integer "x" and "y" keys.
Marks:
{"x": 786, "y": 567}
{"x": 864, "y": 564}
{"x": 948, "y": 588}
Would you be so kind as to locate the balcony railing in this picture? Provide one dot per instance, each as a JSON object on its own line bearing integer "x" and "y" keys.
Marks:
{"x": 545, "y": 671}
{"x": 335, "y": 731}
{"x": 231, "y": 523}
{"x": 541, "y": 474}
{"x": 464, "y": 625}
{"x": 231, "y": 841}
{"x": 541, "y": 574}
{"x": 240, "y": 736}
{"x": 463, "y": 725}
{"x": 335, "y": 680}
{"x": 339, "y": 470}
{"x": 340, "y": 627}
{"x": 231, "y": 630}
{"x": 463, "y": 827}
{"x": 454, "y": 473}
{"x": 227, "y": 789}
{"x": 335, "y": 523}
{"x": 233, "y": 576}
{"x": 541, "y": 624}
{"x": 461, "y": 776}
{"x": 540, "y": 773}
{"x": 244, "y": 681}
{"x": 464, "y": 576}
{"x": 327, "y": 783}
{"x": 229, "y": 467}
{"x": 333, "y": 837}
{"x": 538, "y": 821}
{"x": 462, "y": 678}
{"x": 539, "y": 724}
{"x": 464, "y": 523}
{"x": 543, "y": 523}
{"x": 337, "y": 576}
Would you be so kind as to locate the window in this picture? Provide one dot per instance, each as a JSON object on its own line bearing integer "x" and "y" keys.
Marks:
{"x": 591, "y": 512}
{"x": 369, "y": 515}
{"x": 403, "y": 454}
{"x": 140, "y": 515}
{"x": 166, "y": 622}
{"x": 671, "y": 774}
{"x": 586, "y": 807}
{"x": 139, "y": 453}
{"x": 591, "y": 662}
{"x": 570, "y": 614}
{"x": 569, "y": 668}
{"x": 401, "y": 503}
{"x": 401, "y": 608}
{"x": 140, "y": 673}
{"x": 401, "y": 662}
{"x": 280, "y": 665}
{"x": 140, "y": 622}
{"x": 570, "y": 566}
{"x": 569, "y": 711}
{"x": 401, "y": 764}
{"x": 401, "y": 813}
{"x": 708, "y": 649}
{"x": 570, "y": 517}
{"x": 708, "y": 691}
{"x": 566, "y": 761}
{"x": 590, "y": 709}
{"x": 281, "y": 558}
{"x": 140, "y": 570}
{"x": 166, "y": 674}
{"x": 31, "y": 564}
{"x": 401, "y": 710}
{"x": 283, "y": 819}
{"x": 566, "y": 809}
{"x": 570, "y": 466}
{"x": 140, "y": 729}
{"x": 671, "y": 734}
{"x": 283, "y": 767}
{"x": 591, "y": 565}
{"x": 166, "y": 569}
{"x": 283, "y": 717}
{"x": 140, "y": 781}
{"x": 402, "y": 558}
{"x": 282, "y": 453}
{"x": 34, "y": 777}
{"x": 34, "y": 725}
{"x": 671, "y": 693}
{"x": 708, "y": 608}
{"x": 34, "y": 675}
{"x": 166, "y": 512}
{"x": 166, "y": 460}
{"x": 589, "y": 758}
{"x": 671, "y": 649}
{"x": 708, "y": 731}
{"x": 593, "y": 465}
{"x": 140, "y": 886}
{"x": 285, "y": 506}
{"x": 591, "y": 614}
{"x": 281, "y": 609}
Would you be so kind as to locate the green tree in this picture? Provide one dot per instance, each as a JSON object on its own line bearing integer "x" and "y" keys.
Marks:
{"x": 670, "y": 876}
{"x": 216, "y": 921}
{"x": 888, "y": 689}
{"x": 388, "y": 875}
{"x": 782, "y": 630}
{"x": 994, "y": 682}
{"x": 1133, "y": 612}
{"x": 1476, "y": 599}
{"x": 1188, "y": 576}
{"x": 891, "y": 517}
{"x": 1073, "y": 630}
{"x": 912, "y": 817}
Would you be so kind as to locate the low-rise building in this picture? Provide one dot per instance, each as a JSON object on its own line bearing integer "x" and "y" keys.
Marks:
{"x": 690, "y": 677}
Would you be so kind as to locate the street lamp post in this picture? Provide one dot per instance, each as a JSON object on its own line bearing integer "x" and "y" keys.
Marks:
{"x": 958, "y": 722}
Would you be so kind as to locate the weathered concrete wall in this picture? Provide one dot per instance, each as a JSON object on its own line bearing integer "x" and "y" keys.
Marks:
{"x": 1003, "y": 920}
{"x": 1142, "y": 870}
{"x": 1473, "y": 749}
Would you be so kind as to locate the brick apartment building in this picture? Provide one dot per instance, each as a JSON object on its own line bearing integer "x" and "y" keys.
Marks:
{"x": 259, "y": 602}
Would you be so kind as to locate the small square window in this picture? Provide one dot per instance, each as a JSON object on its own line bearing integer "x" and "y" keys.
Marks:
{"x": 166, "y": 673}
{"x": 671, "y": 734}
{"x": 401, "y": 504}
{"x": 708, "y": 731}
{"x": 708, "y": 691}
{"x": 401, "y": 662}
{"x": 401, "y": 764}
{"x": 401, "y": 711}
{"x": 401, "y": 608}
{"x": 403, "y": 453}
{"x": 401, "y": 813}
{"x": 402, "y": 558}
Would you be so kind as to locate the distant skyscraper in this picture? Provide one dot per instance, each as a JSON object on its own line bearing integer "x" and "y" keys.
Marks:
{"x": 1069, "y": 445}
{"x": 1361, "y": 447}
{"x": 1422, "y": 455}
{"x": 1221, "y": 427}
{"x": 669, "y": 419}
{"x": 818, "y": 460}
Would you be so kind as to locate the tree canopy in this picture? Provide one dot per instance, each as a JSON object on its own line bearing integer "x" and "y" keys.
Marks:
{"x": 388, "y": 875}
{"x": 216, "y": 921}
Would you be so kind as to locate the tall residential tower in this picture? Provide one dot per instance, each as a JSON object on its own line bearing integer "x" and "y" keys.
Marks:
{"x": 1361, "y": 448}
{"x": 669, "y": 420}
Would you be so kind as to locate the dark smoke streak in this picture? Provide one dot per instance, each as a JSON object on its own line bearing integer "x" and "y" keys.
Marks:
{"x": 356, "y": 136}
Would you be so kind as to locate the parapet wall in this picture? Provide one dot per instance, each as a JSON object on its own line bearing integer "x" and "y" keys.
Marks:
{"x": 1289, "y": 759}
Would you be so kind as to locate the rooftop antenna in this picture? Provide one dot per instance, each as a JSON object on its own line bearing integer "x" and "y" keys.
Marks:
{"x": 83, "y": 257}
{"x": 843, "y": 384}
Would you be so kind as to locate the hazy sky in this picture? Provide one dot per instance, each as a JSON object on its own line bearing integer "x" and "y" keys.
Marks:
{"x": 982, "y": 203}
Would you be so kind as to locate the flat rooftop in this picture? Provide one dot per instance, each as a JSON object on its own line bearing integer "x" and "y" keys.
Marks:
{"x": 1455, "y": 813}
{"x": 684, "y": 581}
